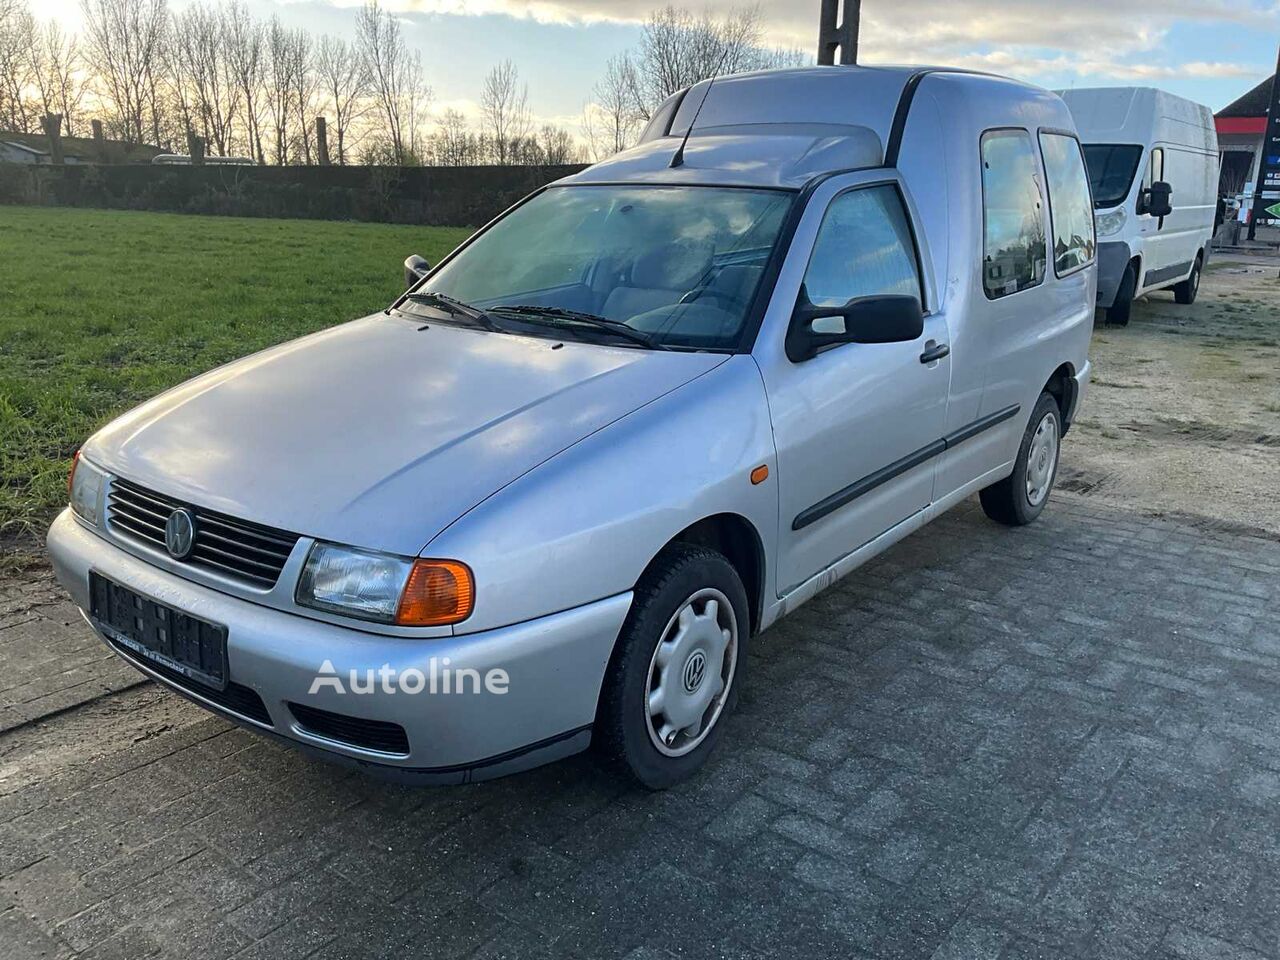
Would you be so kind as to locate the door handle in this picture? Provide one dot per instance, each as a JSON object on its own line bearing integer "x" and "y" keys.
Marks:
{"x": 933, "y": 350}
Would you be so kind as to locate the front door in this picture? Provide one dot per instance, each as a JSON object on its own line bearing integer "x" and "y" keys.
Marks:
{"x": 857, "y": 427}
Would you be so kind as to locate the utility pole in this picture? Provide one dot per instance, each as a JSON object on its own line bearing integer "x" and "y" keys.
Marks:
{"x": 1269, "y": 158}
{"x": 843, "y": 35}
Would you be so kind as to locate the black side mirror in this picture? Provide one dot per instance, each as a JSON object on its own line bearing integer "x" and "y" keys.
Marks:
{"x": 883, "y": 319}
{"x": 1156, "y": 199}
{"x": 415, "y": 268}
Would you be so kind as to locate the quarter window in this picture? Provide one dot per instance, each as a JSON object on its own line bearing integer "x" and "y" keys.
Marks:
{"x": 1070, "y": 208}
{"x": 1012, "y": 216}
{"x": 864, "y": 249}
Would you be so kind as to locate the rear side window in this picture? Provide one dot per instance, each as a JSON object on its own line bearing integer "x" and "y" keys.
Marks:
{"x": 1070, "y": 208}
{"x": 1013, "y": 253}
{"x": 864, "y": 249}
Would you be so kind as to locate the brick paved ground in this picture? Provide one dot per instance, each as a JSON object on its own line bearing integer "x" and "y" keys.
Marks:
{"x": 1052, "y": 742}
{"x": 51, "y": 663}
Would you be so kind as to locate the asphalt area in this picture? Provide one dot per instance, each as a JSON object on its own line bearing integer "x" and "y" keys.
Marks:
{"x": 1059, "y": 741}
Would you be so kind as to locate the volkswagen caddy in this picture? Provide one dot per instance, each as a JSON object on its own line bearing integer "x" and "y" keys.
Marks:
{"x": 616, "y": 434}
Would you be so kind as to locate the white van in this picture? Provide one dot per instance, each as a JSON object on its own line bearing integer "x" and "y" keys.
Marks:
{"x": 1136, "y": 140}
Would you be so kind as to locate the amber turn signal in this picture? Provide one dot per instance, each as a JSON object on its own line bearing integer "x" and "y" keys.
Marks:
{"x": 760, "y": 474}
{"x": 437, "y": 593}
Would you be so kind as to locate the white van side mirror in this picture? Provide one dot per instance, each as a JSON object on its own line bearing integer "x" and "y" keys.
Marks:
{"x": 1155, "y": 199}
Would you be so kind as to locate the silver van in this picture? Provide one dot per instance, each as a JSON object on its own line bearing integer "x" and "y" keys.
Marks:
{"x": 546, "y": 498}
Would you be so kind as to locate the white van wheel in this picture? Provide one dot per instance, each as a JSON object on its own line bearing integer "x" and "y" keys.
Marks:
{"x": 1185, "y": 292}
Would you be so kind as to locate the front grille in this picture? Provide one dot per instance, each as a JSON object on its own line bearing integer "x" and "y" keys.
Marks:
{"x": 236, "y": 697}
{"x": 244, "y": 551}
{"x": 369, "y": 734}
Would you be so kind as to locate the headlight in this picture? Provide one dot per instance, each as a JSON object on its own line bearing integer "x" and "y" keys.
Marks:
{"x": 1110, "y": 223}
{"x": 386, "y": 588}
{"x": 85, "y": 484}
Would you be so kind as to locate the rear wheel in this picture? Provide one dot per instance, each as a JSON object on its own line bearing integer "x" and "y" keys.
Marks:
{"x": 1185, "y": 292}
{"x": 1118, "y": 312}
{"x": 1019, "y": 498}
{"x": 676, "y": 671}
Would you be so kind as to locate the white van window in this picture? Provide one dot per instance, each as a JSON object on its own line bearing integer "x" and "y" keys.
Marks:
{"x": 1070, "y": 209}
{"x": 1013, "y": 250}
{"x": 1111, "y": 169}
{"x": 864, "y": 249}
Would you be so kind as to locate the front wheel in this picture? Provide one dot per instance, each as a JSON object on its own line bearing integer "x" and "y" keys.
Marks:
{"x": 677, "y": 668}
{"x": 1019, "y": 498}
{"x": 1185, "y": 292}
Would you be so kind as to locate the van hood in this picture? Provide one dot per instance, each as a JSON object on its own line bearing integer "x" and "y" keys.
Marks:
{"x": 378, "y": 433}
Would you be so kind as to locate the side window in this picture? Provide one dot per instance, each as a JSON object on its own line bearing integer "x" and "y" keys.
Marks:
{"x": 1013, "y": 244}
{"x": 1070, "y": 204}
{"x": 864, "y": 248}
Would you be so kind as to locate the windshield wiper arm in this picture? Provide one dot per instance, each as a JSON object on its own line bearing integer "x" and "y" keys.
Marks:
{"x": 452, "y": 306}
{"x": 538, "y": 311}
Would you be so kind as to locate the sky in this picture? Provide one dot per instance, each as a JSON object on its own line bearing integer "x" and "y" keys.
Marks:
{"x": 1208, "y": 50}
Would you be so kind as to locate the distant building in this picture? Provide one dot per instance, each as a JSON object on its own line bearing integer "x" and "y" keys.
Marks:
{"x": 31, "y": 148}
{"x": 1240, "y": 125}
{"x": 13, "y": 151}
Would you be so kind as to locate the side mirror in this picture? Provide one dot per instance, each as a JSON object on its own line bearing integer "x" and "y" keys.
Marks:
{"x": 415, "y": 268}
{"x": 883, "y": 319}
{"x": 1156, "y": 199}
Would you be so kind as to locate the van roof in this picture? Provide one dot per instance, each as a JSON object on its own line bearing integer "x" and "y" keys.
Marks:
{"x": 774, "y": 128}
{"x": 1138, "y": 115}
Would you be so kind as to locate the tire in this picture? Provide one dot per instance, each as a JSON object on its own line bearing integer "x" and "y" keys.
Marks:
{"x": 1118, "y": 312}
{"x": 629, "y": 731}
{"x": 1185, "y": 292}
{"x": 1016, "y": 501}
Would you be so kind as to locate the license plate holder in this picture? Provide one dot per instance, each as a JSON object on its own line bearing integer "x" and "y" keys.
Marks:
{"x": 193, "y": 647}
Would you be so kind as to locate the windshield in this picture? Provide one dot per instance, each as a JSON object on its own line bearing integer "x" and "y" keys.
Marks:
{"x": 679, "y": 264}
{"x": 1111, "y": 169}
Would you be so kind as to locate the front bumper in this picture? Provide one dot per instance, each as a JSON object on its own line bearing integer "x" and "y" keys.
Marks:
{"x": 554, "y": 665}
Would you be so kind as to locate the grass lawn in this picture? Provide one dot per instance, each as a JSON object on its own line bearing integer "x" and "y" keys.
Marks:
{"x": 100, "y": 310}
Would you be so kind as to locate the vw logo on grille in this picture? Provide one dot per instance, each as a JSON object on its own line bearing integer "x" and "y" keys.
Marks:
{"x": 694, "y": 669}
{"x": 180, "y": 533}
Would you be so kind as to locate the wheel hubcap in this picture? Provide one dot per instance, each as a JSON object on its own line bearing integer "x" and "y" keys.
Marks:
{"x": 691, "y": 672}
{"x": 1042, "y": 459}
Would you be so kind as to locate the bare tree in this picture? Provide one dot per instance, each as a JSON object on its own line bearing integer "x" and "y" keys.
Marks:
{"x": 205, "y": 83}
{"x": 344, "y": 85}
{"x": 123, "y": 40}
{"x": 504, "y": 103}
{"x": 302, "y": 90}
{"x": 245, "y": 41}
{"x": 453, "y": 144}
{"x": 395, "y": 80}
{"x": 678, "y": 49}
{"x": 614, "y": 116}
{"x": 278, "y": 85}
{"x": 556, "y": 145}
{"x": 17, "y": 41}
{"x": 54, "y": 64}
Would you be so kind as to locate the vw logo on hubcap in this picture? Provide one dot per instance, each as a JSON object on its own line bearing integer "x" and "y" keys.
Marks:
{"x": 694, "y": 670}
{"x": 180, "y": 533}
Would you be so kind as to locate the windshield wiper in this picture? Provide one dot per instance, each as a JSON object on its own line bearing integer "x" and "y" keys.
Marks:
{"x": 453, "y": 307}
{"x": 535, "y": 312}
